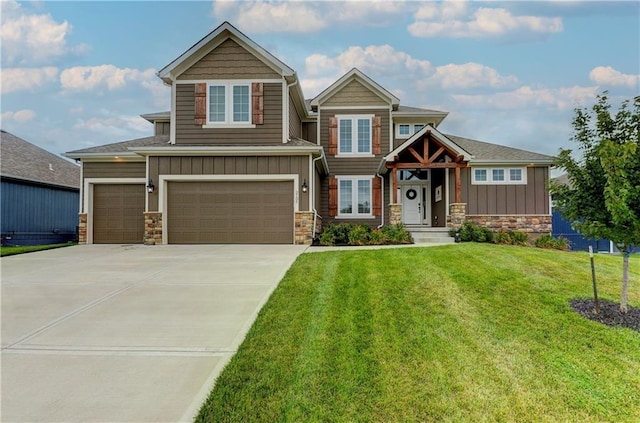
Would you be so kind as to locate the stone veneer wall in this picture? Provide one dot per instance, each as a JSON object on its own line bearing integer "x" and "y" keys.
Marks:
{"x": 304, "y": 227}
{"x": 525, "y": 223}
{"x": 152, "y": 228}
{"x": 395, "y": 213}
{"x": 82, "y": 228}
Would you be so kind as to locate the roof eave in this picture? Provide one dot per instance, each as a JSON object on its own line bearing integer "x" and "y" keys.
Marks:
{"x": 124, "y": 155}
{"x": 494, "y": 162}
{"x": 224, "y": 150}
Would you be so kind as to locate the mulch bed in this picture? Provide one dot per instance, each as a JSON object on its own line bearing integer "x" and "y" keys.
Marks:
{"x": 609, "y": 313}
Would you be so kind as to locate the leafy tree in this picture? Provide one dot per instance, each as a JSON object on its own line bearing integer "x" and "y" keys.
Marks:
{"x": 602, "y": 198}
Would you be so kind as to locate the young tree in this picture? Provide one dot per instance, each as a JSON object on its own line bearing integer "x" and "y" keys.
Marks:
{"x": 602, "y": 199}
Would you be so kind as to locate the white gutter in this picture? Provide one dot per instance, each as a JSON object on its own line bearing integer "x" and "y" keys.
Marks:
{"x": 382, "y": 194}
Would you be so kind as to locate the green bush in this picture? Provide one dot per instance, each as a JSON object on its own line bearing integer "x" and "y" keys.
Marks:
{"x": 350, "y": 234}
{"x": 519, "y": 238}
{"x": 359, "y": 235}
{"x": 502, "y": 237}
{"x": 472, "y": 232}
{"x": 549, "y": 242}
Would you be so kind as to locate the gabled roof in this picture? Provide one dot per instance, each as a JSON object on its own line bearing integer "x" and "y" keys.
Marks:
{"x": 210, "y": 42}
{"x": 362, "y": 78}
{"x": 487, "y": 153}
{"x": 22, "y": 160}
{"x": 417, "y": 111}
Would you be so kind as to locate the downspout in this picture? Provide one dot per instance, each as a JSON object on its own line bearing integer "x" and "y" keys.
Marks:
{"x": 382, "y": 199}
{"x": 287, "y": 129}
{"x": 313, "y": 190}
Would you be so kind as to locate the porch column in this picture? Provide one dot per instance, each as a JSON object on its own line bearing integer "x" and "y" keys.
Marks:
{"x": 394, "y": 185}
{"x": 458, "y": 186}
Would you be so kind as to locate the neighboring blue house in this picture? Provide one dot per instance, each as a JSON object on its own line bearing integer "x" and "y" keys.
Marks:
{"x": 40, "y": 194}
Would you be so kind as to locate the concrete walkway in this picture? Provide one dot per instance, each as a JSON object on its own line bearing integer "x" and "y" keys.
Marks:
{"x": 127, "y": 333}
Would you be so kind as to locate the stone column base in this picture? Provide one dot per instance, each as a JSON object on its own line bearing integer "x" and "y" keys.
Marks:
{"x": 82, "y": 228}
{"x": 152, "y": 228}
{"x": 395, "y": 213}
{"x": 303, "y": 224}
{"x": 457, "y": 215}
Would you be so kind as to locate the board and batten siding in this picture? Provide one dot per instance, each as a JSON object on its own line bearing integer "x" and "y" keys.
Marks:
{"x": 162, "y": 128}
{"x": 354, "y": 94}
{"x": 229, "y": 60}
{"x": 187, "y": 132}
{"x": 532, "y": 198}
{"x": 229, "y": 165}
{"x": 310, "y": 131}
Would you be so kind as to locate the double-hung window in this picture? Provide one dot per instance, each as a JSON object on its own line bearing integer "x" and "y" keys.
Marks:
{"x": 354, "y": 196}
{"x": 229, "y": 103}
{"x": 499, "y": 176}
{"x": 354, "y": 135}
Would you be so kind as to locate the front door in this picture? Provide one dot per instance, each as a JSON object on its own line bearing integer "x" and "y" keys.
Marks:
{"x": 415, "y": 204}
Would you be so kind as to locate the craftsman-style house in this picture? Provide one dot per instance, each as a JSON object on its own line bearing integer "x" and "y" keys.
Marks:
{"x": 242, "y": 157}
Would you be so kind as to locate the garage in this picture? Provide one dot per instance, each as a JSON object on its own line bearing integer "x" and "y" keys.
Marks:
{"x": 230, "y": 212}
{"x": 118, "y": 213}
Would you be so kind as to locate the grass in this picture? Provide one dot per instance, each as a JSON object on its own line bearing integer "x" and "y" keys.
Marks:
{"x": 13, "y": 250}
{"x": 468, "y": 332}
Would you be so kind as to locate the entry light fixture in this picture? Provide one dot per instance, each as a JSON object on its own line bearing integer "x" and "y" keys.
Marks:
{"x": 305, "y": 187}
{"x": 150, "y": 186}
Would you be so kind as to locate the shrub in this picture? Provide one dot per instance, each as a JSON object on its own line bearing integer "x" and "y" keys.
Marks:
{"x": 359, "y": 235}
{"x": 502, "y": 237}
{"x": 472, "y": 232}
{"x": 549, "y": 242}
{"x": 376, "y": 237}
{"x": 397, "y": 234}
{"x": 519, "y": 238}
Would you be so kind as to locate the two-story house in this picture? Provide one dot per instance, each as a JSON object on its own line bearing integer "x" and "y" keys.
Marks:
{"x": 243, "y": 157}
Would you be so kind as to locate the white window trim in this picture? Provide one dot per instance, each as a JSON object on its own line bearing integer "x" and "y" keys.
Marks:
{"x": 354, "y": 135}
{"x": 228, "y": 98}
{"x": 507, "y": 176}
{"x": 354, "y": 197}
{"x": 412, "y": 129}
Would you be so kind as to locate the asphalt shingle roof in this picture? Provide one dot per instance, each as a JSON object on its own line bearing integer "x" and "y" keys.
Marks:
{"x": 20, "y": 159}
{"x": 122, "y": 147}
{"x": 481, "y": 150}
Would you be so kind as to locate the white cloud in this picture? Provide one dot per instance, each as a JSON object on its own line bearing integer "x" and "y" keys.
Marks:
{"x": 608, "y": 76}
{"x": 115, "y": 125}
{"x": 526, "y": 97}
{"x": 33, "y": 38}
{"x": 303, "y": 17}
{"x": 18, "y": 79}
{"x": 21, "y": 116}
{"x": 455, "y": 19}
{"x": 379, "y": 60}
{"x": 88, "y": 78}
{"x": 468, "y": 75}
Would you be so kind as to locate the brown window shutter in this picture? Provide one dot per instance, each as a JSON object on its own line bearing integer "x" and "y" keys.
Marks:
{"x": 376, "y": 193}
{"x": 333, "y": 196}
{"x": 257, "y": 103}
{"x": 201, "y": 103}
{"x": 377, "y": 135}
{"x": 333, "y": 135}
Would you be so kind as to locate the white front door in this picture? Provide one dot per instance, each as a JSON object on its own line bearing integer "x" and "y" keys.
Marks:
{"x": 415, "y": 204}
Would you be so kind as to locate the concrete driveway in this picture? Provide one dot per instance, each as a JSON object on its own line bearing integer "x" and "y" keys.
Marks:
{"x": 127, "y": 333}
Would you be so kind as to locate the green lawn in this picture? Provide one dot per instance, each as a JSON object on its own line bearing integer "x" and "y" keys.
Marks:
{"x": 468, "y": 332}
{"x": 13, "y": 250}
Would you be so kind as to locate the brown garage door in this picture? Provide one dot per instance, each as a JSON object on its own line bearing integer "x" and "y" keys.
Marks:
{"x": 118, "y": 213}
{"x": 226, "y": 212}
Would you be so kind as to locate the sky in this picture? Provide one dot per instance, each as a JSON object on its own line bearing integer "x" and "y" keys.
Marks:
{"x": 80, "y": 74}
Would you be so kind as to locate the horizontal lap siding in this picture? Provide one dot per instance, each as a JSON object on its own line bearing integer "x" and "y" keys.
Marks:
{"x": 340, "y": 166}
{"x": 187, "y": 132}
{"x": 531, "y": 198}
{"x": 212, "y": 165}
{"x": 229, "y": 61}
{"x": 113, "y": 170}
{"x": 354, "y": 94}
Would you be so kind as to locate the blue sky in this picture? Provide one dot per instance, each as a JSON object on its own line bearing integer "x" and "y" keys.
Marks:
{"x": 79, "y": 74}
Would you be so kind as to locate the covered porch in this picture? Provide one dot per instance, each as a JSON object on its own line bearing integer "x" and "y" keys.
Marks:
{"x": 425, "y": 180}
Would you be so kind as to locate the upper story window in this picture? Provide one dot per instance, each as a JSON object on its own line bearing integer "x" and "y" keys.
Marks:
{"x": 229, "y": 103}
{"x": 405, "y": 130}
{"x": 498, "y": 176}
{"x": 354, "y": 135}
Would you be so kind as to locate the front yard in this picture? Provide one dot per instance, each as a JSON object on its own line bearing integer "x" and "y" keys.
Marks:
{"x": 468, "y": 332}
